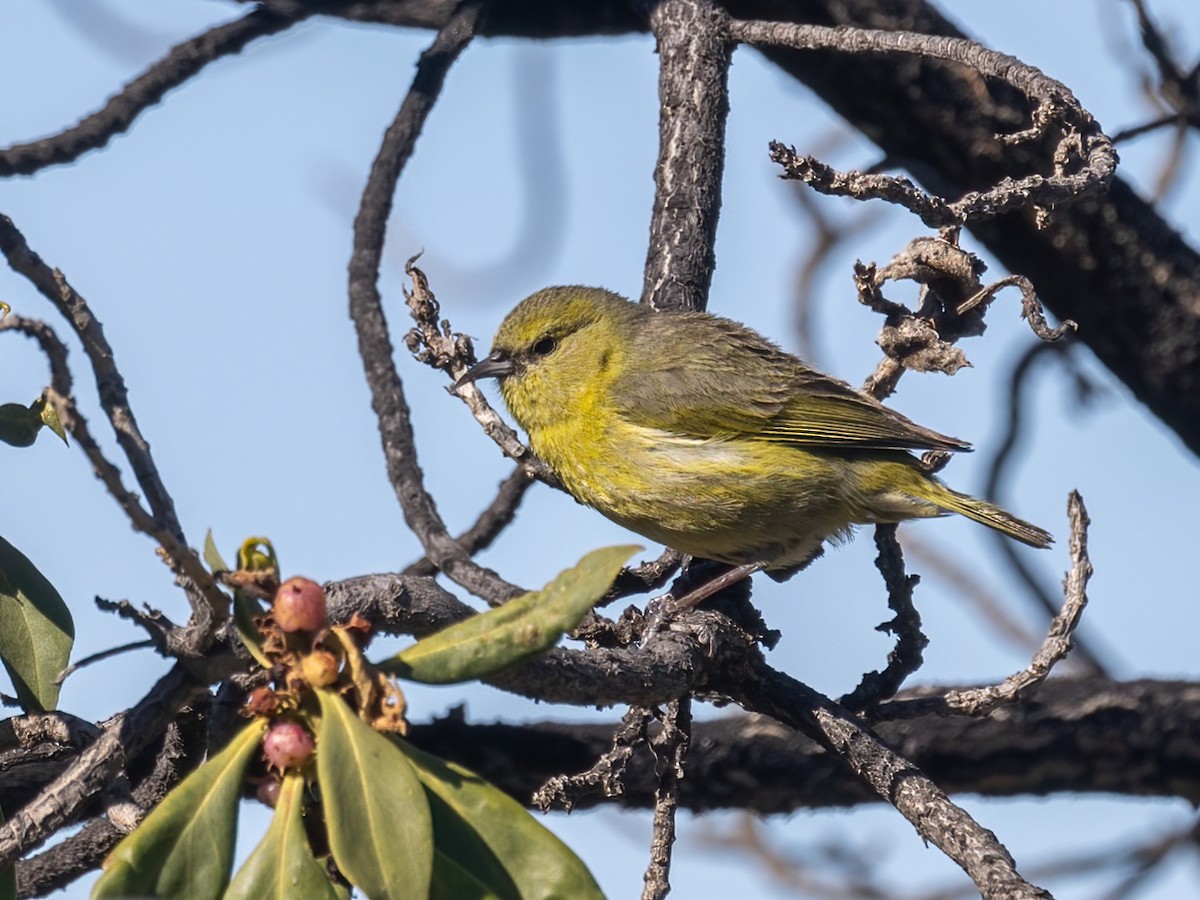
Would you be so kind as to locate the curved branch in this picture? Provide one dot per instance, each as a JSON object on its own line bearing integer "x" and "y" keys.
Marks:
{"x": 160, "y": 523}
{"x": 1083, "y": 143}
{"x": 53, "y": 347}
{"x": 181, "y": 63}
{"x": 490, "y": 523}
{"x": 366, "y": 309}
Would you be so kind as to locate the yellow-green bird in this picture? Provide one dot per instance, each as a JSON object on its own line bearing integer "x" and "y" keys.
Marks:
{"x": 700, "y": 434}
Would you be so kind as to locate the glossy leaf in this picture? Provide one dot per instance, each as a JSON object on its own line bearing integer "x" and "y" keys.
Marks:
{"x": 520, "y": 628}
{"x": 36, "y": 631}
{"x": 282, "y": 866}
{"x": 376, "y": 814}
{"x": 245, "y": 607}
{"x": 184, "y": 848}
{"x": 212, "y": 556}
{"x": 19, "y": 424}
{"x": 490, "y": 835}
{"x": 452, "y": 882}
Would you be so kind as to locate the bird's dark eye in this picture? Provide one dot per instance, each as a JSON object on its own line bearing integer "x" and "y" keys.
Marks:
{"x": 545, "y": 346}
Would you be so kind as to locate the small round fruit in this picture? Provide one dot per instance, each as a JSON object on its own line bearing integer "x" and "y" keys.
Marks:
{"x": 268, "y": 792}
{"x": 319, "y": 668}
{"x": 288, "y": 745}
{"x": 299, "y": 605}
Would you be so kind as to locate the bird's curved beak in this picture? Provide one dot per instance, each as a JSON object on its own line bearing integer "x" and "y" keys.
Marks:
{"x": 495, "y": 366}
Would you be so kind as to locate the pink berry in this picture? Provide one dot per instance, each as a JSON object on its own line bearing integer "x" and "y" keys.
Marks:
{"x": 288, "y": 745}
{"x": 299, "y": 605}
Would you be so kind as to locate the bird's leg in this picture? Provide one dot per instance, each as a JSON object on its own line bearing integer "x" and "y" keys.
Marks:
{"x": 706, "y": 590}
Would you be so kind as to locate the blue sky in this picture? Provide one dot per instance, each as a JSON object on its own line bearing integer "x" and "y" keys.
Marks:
{"x": 212, "y": 242}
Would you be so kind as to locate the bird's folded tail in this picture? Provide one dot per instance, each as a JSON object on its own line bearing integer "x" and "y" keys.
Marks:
{"x": 992, "y": 516}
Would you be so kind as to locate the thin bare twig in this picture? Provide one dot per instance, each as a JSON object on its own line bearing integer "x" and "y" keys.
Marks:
{"x": 1084, "y": 162}
{"x": 1002, "y": 458}
{"x": 670, "y": 748}
{"x": 906, "y": 657}
{"x": 1057, "y": 644}
{"x": 433, "y": 342}
{"x": 1031, "y": 307}
{"x": 102, "y": 655}
{"x": 606, "y": 773}
{"x": 160, "y": 523}
{"x": 366, "y": 310}
{"x": 54, "y": 349}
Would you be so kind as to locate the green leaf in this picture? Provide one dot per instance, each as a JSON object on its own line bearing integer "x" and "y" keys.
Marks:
{"x": 520, "y": 628}
{"x": 245, "y": 607}
{"x": 452, "y": 882}
{"x": 212, "y": 556}
{"x": 184, "y": 848}
{"x": 36, "y": 631}
{"x": 376, "y": 814}
{"x": 282, "y": 866}
{"x": 19, "y": 425}
{"x": 490, "y": 835}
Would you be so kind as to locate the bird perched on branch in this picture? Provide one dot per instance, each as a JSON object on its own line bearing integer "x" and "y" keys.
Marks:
{"x": 698, "y": 433}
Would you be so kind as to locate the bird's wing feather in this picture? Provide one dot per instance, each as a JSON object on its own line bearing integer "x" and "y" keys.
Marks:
{"x": 735, "y": 383}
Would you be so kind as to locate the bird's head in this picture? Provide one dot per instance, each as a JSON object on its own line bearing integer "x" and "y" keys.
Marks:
{"x": 556, "y": 353}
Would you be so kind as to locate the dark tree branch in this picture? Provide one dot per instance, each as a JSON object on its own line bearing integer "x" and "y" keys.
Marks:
{"x": 1084, "y": 160}
{"x": 94, "y": 770}
{"x": 934, "y": 816}
{"x": 498, "y": 515}
{"x": 1002, "y": 459}
{"x": 606, "y": 776}
{"x": 85, "y": 850}
{"x": 694, "y": 53}
{"x": 670, "y": 664}
{"x": 906, "y": 657}
{"x": 366, "y": 309}
{"x": 1056, "y": 646}
{"x": 118, "y": 114}
{"x": 161, "y": 523}
{"x": 670, "y": 748}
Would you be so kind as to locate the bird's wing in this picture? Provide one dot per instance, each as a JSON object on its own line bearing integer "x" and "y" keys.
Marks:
{"x": 740, "y": 385}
